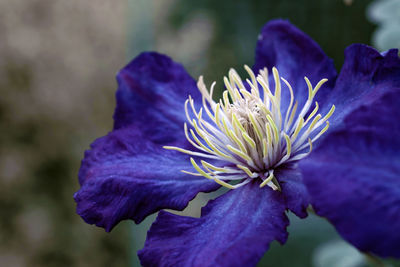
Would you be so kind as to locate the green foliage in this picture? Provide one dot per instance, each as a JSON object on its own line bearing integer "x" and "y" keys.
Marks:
{"x": 331, "y": 23}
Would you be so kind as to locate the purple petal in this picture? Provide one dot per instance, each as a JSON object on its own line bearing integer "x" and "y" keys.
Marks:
{"x": 151, "y": 96}
{"x": 366, "y": 74}
{"x": 294, "y": 191}
{"x": 125, "y": 176}
{"x": 354, "y": 177}
{"x": 295, "y": 55}
{"x": 234, "y": 230}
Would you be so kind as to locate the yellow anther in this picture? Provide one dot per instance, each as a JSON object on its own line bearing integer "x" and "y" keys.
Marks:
{"x": 209, "y": 114}
{"x": 238, "y": 95}
{"x": 221, "y": 104}
{"x": 185, "y": 129}
{"x": 264, "y": 75}
{"x": 245, "y": 169}
{"x": 327, "y": 116}
{"x": 267, "y": 92}
{"x": 310, "y": 89}
{"x": 277, "y": 86}
{"x": 265, "y": 148}
{"x": 321, "y": 132}
{"x": 252, "y": 76}
{"x": 325, "y": 128}
{"x": 226, "y": 99}
{"x": 225, "y": 127}
{"x": 235, "y": 78}
{"x": 187, "y": 111}
{"x": 206, "y": 96}
{"x": 248, "y": 139}
{"x": 210, "y": 96}
{"x": 246, "y": 94}
{"x": 292, "y": 115}
{"x": 175, "y": 148}
{"x": 191, "y": 102}
{"x": 265, "y": 110}
{"x": 196, "y": 127}
{"x": 237, "y": 141}
{"x": 291, "y": 98}
{"x": 298, "y": 128}
{"x": 253, "y": 87}
{"x": 274, "y": 128}
{"x": 318, "y": 86}
{"x": 199, "y": 142}
{"x": 210, "y": 144}
{"x": 191, "y": 173}
{"x": 200, "y": 170}
{"x": 225, "y": 184}
{"x": 216, "y": 150}
{"x": 239, "y": 153}
{"x": 312, "y": 92}
{"x": 255, "y": 93}
{"x": 315, "y": 120}
{"x": 288, "y": 145}
{"x": 310, "y": 143}
{"x": 312, "y": 113}
{"x": 215, "y": 168}
{"x": 255, "y": 126}
{"x": 200, "y": 114}
{"x": 216, "y": 113}
{"x": 189, "y": 152}
{"x": 230, "y": 89}
{"x": 269, "y": 133}
{"x": 236, "y": 122}
{"x": 269, "y": 179}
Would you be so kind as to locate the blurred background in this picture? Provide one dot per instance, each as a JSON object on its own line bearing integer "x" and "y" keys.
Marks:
{"x": 58, "y": 61}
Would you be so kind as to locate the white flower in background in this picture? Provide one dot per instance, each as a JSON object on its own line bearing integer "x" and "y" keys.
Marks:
{"x": 385, "y": 13}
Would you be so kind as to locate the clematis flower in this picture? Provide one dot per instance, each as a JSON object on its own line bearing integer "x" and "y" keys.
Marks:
{"x": 172, "y": 140}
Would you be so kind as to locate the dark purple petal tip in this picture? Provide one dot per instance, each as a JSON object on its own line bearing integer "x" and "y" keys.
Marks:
{"x": 354, "y": 177}
{"x": 365, "y": 76}
{"x": 234, "y": 230}
{"x": 295, "y": 55}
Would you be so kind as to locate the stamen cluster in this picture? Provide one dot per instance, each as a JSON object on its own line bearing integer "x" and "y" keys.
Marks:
{"x": 246, "y": 132}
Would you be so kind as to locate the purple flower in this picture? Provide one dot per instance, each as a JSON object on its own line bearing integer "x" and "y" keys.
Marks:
{"x": 172, "y": 140}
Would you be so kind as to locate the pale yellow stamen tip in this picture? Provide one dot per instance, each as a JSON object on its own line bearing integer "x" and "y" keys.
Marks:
{"x": 268, "y": 180}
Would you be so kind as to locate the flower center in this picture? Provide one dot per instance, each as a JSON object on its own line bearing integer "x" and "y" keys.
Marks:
{"x": 245, "y": 135}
